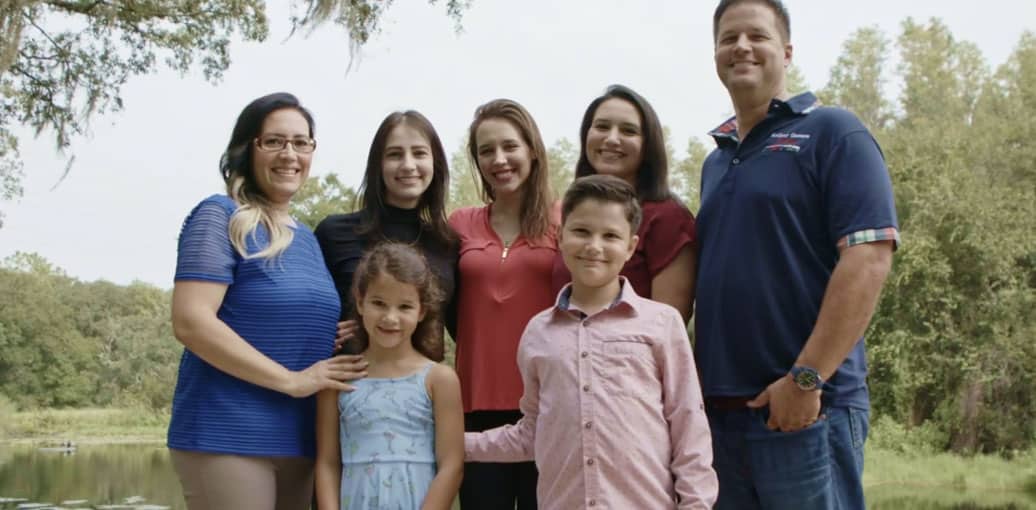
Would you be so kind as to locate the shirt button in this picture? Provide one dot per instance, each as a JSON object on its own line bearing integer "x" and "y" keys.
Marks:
{"x": 590, "y": 462}
{"x": 586, "y": 387}
{"x": 736, "y": 161}
{"x": 588, "y": 424}
{"x": 592, "y": 502}
{"x": 584, "y": 354}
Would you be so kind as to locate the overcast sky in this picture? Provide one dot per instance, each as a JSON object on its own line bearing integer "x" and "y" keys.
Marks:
{"x": 117, "y": 215}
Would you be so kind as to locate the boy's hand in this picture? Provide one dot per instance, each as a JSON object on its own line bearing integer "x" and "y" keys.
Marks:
{"x": 791, "y": 408}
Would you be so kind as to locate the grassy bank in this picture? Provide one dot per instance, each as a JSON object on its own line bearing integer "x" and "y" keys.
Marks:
{"x": 84, "y": 426}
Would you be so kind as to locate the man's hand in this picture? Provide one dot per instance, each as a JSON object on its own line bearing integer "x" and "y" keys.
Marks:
{"x": 791, "y": 408}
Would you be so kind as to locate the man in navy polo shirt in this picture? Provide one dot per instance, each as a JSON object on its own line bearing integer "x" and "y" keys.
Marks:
{"x": 796, "y": 229}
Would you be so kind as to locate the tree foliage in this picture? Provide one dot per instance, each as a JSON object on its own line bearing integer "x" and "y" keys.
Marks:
{"x": 64, "y": 61}
{"x": 361, "y": 18}
{"x": 67, "y": 343}
{"x": 321, "y": 197}
{"x": 951, "y": 344}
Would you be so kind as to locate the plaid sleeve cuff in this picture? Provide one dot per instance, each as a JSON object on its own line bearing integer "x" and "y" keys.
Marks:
{"x": 870, "y": 236}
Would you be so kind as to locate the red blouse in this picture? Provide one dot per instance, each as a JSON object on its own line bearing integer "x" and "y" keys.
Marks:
{"x": 498, "y": 291}
{"x": 666, "y": 227}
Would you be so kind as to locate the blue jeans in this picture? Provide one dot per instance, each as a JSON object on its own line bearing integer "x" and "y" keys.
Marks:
{"x": 820, "y": 467}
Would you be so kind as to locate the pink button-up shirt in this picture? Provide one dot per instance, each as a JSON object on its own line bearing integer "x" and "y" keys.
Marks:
{"x": 613, "y": 412}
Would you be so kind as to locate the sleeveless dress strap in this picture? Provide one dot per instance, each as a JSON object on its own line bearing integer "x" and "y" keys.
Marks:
{"x": 427, "y": 368}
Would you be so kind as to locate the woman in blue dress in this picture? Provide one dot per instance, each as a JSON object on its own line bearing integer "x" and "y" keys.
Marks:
{"x": 255, "y": 308}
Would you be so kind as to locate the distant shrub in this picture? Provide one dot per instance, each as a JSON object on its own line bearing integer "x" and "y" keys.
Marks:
{"x": 7, "y": 409}
{"x": 888, "y": 434}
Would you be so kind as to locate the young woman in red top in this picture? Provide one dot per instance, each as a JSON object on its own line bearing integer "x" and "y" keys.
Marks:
{"x": 621, "y": 136}
{"x": 507, "y": 249}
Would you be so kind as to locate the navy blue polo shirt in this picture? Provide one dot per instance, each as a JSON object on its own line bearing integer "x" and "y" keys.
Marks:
{"x": 774, "y": 210}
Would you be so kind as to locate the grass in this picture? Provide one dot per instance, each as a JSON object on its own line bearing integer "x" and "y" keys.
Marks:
{"x": 898, "y": 480}
{"x": 85, "y": 426}
{"x": 979, "y": 472}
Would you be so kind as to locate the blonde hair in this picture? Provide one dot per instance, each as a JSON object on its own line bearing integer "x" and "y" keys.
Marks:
{"x": 254, "y": 210}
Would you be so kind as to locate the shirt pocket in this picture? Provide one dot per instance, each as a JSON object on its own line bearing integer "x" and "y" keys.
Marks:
{"x": 628, "y": 368}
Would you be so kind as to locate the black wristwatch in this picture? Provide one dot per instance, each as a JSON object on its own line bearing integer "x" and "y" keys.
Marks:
{"x": 806, "y": 378}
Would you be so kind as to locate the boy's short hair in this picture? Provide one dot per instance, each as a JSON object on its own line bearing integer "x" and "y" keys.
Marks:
{"x": 603, "y": 188}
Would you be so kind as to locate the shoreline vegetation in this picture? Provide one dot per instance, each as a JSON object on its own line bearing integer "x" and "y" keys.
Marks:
{"x": 895, "y": 471}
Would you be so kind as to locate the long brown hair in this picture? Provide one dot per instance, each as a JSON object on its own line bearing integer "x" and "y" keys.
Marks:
{"x": 653, "y": 174}
{"x": 537, "y": 198}
{"x": 406, "y": 265}
{"x": 431, "y": 207}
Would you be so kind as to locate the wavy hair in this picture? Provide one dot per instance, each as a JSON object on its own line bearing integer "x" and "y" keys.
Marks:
{"x": 236, "y": 167}
{"x": 537, "y": 197}
{"x": 653, "y": 174}
{"x": 406, "y": 265}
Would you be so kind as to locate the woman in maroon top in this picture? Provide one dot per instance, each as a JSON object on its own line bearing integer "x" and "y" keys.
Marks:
{"x": 621, "y": 136}
{"x": 507, "y": 251}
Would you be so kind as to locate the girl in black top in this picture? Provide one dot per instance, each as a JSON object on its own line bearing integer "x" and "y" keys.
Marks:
{"x": 402, "y": 198}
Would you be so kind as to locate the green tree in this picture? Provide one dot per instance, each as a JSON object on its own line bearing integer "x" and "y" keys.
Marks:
{"x": 361, "y": 18}
{"x": 1004, "y": 115}
{"x": 63, "y": 62}
{"x": 46, "y": 361}
{"x": 321, "y": 197}
{"x": 70, "y": 343}
{"x": 795, "y": 80}
{"x": 950, "y": 345}
{"x": 465, "y": 185}
{"x": 562, "y": 157}
{"x": 685, "y": 174}
{"x": 857, "y": 79}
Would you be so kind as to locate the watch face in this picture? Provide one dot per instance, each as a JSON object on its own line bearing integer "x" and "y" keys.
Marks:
{"x": 807, "y": 379}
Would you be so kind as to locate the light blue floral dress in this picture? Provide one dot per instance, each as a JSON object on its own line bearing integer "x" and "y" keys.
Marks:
{"x": 387, "y": 433}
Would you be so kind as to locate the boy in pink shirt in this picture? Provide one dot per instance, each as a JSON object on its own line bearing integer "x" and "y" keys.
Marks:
{"x": 613, "y": 412}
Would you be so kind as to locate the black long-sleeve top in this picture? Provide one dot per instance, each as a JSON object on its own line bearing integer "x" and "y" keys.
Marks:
{"x": 343, "y": 248}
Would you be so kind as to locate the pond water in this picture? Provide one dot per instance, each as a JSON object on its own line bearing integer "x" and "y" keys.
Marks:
{"x": 141, "y": 477}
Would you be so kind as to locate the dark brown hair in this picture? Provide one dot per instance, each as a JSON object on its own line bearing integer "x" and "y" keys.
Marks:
{"x": 603, "y": 188}
{"x": 406, "y": 265}
{"x": 537, "y": 196}
{"x": 653, "y": 174}
{"x": 777, "y": 6}
{"x": 432, "y": 204}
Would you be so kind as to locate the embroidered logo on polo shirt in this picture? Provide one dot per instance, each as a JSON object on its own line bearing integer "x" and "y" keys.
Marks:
{"x": 786, "y": 142}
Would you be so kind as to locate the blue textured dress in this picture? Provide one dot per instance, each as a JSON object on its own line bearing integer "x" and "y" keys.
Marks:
{"x": 285, "y": 307}
{"x": 387, "y": 434}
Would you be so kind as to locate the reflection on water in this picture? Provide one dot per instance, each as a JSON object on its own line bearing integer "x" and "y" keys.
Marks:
{"x": 130, "y": 476}
{"x": 141, "y": 477}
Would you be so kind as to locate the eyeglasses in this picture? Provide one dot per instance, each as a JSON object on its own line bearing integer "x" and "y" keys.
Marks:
{"x": 277, "y": 143}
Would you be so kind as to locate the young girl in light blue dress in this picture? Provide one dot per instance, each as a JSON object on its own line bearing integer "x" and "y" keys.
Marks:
{"x": 396, "y": 441}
